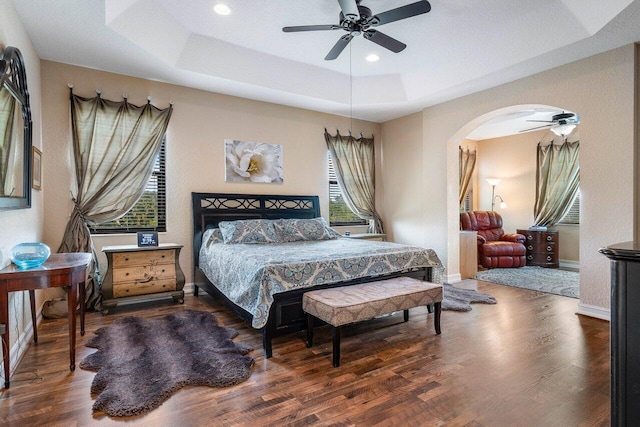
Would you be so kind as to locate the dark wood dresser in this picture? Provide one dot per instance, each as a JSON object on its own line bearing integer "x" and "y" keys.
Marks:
{"x": 542, "y": 247}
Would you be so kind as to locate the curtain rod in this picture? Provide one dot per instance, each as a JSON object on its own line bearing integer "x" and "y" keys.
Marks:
{"x": 124, "y": 95}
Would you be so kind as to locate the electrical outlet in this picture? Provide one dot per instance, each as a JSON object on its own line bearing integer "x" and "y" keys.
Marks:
{"x": 3, "y": 328}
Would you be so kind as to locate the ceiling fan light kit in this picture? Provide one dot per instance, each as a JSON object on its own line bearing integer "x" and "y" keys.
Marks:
{"x": 561, "y": 124}
{"x": 356, "y": 19}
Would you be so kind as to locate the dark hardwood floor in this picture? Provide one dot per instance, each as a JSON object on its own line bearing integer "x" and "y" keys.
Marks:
{"x": 527, "y": 361}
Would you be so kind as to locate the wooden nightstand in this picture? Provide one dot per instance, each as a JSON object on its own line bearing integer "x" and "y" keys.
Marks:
{"x": 142, "y": 273}
{"x": 368, "y": 236}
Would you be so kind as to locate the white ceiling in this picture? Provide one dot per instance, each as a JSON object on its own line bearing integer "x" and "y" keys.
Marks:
{"x": 460, "y": 47}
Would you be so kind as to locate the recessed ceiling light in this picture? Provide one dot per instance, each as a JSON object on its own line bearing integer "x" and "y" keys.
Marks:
{"x": 372, "y": 57}
{"x": 222, "y": 9}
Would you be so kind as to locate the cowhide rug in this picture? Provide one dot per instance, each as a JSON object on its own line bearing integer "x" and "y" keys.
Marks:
{"x": 460, "y": 299}
{"x": 141, "y": 362}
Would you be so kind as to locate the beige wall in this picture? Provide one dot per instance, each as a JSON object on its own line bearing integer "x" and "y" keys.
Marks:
{"x": 200, "y": 123}
{"x": 402, "y": 150}
{"x": 513, "y": 159}
{"x": 601, "y": 90}
{"x": 22, "y": 225}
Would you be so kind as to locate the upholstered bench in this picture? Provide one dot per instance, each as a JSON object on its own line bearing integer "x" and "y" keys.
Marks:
{"x": 348, "y": 304}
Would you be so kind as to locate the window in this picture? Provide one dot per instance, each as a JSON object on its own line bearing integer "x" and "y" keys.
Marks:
{"x": 572, "y": 217}
{"x": 467, "y": 204}
{"x": 339, "y": 212}
{"x": 149, "y": 212}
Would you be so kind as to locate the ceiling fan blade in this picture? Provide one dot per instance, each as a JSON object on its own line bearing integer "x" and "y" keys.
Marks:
{"x": 539, "y": 127}
{"x": 311, "y": 28}
{"x": 402, "y": 12}
{"x": 384, "y": 40}
{"x": 349, "y": 10}
{"x": 540, "y": 121}
{"x": 338, "y": 47}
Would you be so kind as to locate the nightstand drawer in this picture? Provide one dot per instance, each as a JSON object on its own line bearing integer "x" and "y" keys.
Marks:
{"x": 144, "y": 273}
{"x": 142, "y": 288}
{"x": 160, "y": 256}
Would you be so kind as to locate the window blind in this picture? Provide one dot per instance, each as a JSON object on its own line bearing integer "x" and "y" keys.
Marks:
{"x": 149, "y": 212}
{"x": 339, "y": 212}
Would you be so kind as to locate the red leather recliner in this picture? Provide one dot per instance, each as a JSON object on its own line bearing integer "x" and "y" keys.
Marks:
{"x": 495, "y": 248}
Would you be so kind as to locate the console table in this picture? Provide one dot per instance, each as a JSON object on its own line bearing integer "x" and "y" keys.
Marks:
{"x": 68, "y": 270}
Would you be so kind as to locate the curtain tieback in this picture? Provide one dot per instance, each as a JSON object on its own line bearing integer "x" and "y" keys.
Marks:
{"x": 77, "y": 211}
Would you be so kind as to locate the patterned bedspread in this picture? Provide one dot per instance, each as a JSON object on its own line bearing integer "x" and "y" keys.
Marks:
{"x": 250, "y": 274}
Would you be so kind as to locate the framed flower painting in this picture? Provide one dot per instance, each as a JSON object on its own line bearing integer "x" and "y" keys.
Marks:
{"x": 253, "y": 162}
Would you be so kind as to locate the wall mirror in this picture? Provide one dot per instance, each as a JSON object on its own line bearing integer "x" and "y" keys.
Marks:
{"x": 15, "y": 132}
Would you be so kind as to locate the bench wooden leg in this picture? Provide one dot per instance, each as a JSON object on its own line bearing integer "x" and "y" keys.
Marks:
{"x": 406, "y": 315}
{"x": 436, "y": 318}
{"x": 335, "y": 332}
{"x": 309, "y": 330}
{"x": 429, "y": 308}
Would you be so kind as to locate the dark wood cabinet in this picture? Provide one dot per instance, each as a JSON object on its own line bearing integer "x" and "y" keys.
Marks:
{"x": 625, "y": 335}
{"x": 542, "y": 247}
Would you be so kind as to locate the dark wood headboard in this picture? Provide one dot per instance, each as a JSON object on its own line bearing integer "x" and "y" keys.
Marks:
{"x": 211, "y": 208}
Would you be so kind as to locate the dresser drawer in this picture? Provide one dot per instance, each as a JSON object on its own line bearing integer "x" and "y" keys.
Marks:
{"x": 144, "y": 273}
{"x": 541, "y": 247}
{"x": 142, "y": 288}
{"x": 160, "y": 256}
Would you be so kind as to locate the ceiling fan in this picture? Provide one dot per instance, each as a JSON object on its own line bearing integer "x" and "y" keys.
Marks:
{"x": 356, "y": 19}
{"x": 561, "y": 124}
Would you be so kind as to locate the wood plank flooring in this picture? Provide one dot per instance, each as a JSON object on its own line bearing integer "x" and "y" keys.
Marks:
{"x": 527, "y": 361}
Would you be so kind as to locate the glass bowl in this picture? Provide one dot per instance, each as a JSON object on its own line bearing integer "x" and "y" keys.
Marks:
{"x": 30, "y": 255}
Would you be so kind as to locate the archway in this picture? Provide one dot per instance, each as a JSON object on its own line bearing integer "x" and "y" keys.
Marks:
{"x": 517, "y": 187}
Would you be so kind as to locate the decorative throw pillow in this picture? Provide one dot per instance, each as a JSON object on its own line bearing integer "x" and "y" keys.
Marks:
{"x": 248, "y": 231}
{"x": 296, "y": 229}
{"x": 212, "y": 235}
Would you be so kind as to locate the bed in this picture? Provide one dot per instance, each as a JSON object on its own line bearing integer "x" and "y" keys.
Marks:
{"x": 263, "y": 283}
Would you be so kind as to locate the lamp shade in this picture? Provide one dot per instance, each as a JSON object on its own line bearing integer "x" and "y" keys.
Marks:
{"x": 494, "y": 181}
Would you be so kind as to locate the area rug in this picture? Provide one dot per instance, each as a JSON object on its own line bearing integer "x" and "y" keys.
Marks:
{"x": 141, "y": 362}
{"x": 458, "y": 299}
{"x": 548, "y": 280}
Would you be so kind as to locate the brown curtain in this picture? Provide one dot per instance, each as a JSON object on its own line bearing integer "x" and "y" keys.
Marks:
{"x": 557, "y": 181}
{"x": 467, "y": 164}
{"x": 114, "y": 147}
{"x": 354, "y": 163}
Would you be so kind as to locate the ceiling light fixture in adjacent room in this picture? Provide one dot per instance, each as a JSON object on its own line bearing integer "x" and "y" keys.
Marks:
{"x": 563, "y": 130}
{"x": 221, "y": 9}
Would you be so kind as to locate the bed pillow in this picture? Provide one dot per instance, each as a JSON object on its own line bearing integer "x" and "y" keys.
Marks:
{"x": 248, "y": 231}
{"x": 296, "y": 230}
{"x": 212, "y": 235}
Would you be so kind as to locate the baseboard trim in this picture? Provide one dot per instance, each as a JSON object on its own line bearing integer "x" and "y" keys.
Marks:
{"x": 594, "y": 311}
{"x": 188, "y": 288}
{"x": 453, "y": 278}
{"x": 19, "y": 348}
{"x": 572, "y": 265}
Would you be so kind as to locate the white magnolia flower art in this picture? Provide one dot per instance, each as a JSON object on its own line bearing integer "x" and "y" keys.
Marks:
{"x": 253, "y": 162}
